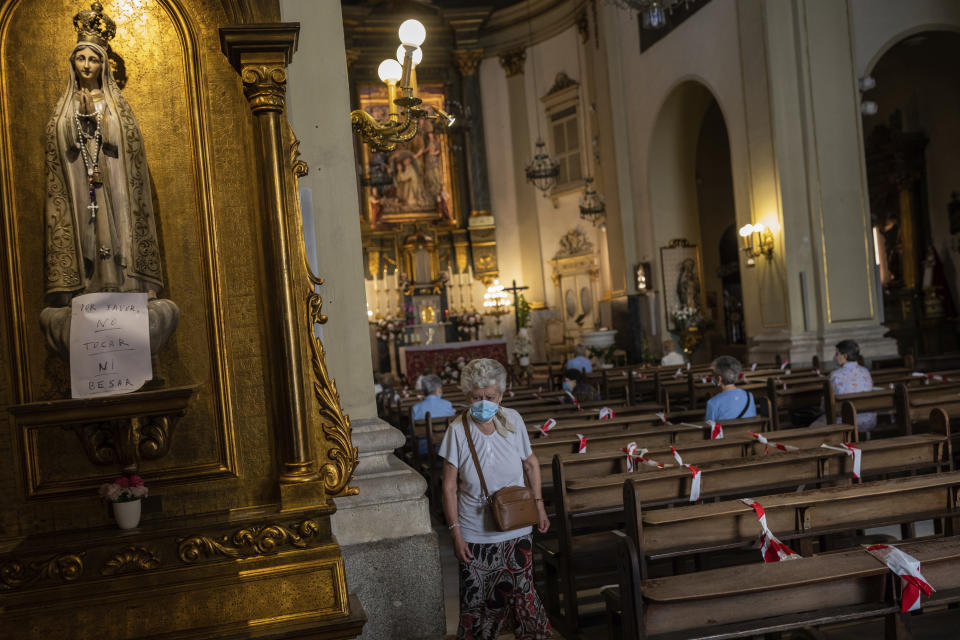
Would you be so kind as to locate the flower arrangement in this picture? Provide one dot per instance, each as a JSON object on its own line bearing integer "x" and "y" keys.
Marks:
{"x": 467, "y": 324}
{"x": 523, "y": 312}
{"x": 603, "y": 355}
{"x": 686, "y": 318}
{"x": 522, "y": 343}
{"x": 124, "y": 489}
{"x": 450, "y": 374}
{"x": 387, "y": 328}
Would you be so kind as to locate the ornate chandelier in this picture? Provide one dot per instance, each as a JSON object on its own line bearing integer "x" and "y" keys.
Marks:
{"x": 592, "y": 207}
{"x": 543, "y": 170}
{"x": 401, "y": 126}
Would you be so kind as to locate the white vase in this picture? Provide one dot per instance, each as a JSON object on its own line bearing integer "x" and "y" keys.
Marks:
{"x": 127, "y": 514}
{"x": 524, "y": 361}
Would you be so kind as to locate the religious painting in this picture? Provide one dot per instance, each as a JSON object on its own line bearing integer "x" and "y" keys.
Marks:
{"x": 682, "y": 272}
{"x": 415, "y": 181}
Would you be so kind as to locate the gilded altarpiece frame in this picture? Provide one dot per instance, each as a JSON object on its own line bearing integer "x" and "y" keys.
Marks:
{"x": 169, "y": 79}
{"x": 419, "y": 178}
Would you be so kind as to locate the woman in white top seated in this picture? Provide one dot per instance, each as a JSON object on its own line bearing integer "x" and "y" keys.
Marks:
{"x": 496, "y": 567}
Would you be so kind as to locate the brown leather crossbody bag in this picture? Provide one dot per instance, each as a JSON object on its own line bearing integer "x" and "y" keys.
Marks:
{"x": 512, "y": 507}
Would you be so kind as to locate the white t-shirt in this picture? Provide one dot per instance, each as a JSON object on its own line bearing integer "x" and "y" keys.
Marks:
{"x": 502, "y": 462}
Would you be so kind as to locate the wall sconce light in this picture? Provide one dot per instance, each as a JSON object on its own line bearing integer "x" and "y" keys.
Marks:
{"x": 757, "y": 241}
{"x": 402, "y": 124}
{"x": 644, "y": 278}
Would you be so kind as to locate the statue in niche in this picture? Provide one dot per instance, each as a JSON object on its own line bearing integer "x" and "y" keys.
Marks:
{"x": 688, "y": 284}
{"x": 100, "y": 233}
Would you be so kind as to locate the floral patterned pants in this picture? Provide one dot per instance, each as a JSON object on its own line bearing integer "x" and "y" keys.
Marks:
{"x": 498, "y": 585}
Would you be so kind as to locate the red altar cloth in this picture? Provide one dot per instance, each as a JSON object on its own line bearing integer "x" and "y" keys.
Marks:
{"x": 416, "y": 360}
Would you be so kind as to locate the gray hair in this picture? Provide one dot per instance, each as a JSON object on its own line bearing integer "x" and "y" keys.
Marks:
{"x": 728, "y": 368}
{"x": 482, "y": 373}
{"x": 580, "y": 350}
{"x": 431, "y": 384}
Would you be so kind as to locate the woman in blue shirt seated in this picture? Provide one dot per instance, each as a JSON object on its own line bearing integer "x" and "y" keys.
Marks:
{"x": 731, "y": 403}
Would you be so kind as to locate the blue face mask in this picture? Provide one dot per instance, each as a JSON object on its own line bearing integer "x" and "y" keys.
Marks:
{"x": 567, "y": 385}
{"x": 483, "y": 410}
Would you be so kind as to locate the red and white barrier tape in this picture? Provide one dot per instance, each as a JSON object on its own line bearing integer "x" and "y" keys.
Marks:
{"x": 706, "y": 379}
{"x": 851, "y": 450}
{"x": 694, "y": 471}
{"x": 663, "y": 418}
{"x": 766, "y": 450}
{"x": 546, "y": 426}
{"x": 908, "y": 568}
{"x": 930, "y": 376}
{"x": 582, "y": 446}
{"x": 786, "y": 363}
{"x": 573, "y": 398}
{"x": 771, "y": 548}
{"x": 629, "y": 449}
{"x": 753, "y": 367}
{"x": 688, "y": 366}
{"x": 678, "y": 373}
{"x": 642, "y": 458}
{"x": 606, "y": 413}
{"x": 715, "y": 428}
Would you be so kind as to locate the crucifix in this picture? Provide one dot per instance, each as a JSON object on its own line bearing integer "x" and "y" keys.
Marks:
{"x": 515, "y": 290}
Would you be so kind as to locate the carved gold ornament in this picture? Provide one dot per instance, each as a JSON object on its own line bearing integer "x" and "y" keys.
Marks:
{"x": 65, "y": 567}
{"x": 131, "y": 559}
{"x": 253, "y": 541}
{"x": 342, "y": 455}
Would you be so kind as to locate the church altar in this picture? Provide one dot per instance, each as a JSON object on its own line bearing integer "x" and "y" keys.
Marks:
{"x": 414, "y": 360}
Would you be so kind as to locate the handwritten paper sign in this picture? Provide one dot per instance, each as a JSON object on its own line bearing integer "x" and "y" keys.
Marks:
{"x": 109, "y": 344}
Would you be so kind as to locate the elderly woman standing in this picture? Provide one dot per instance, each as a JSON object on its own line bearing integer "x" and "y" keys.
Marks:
{"x": 496, "y": 567}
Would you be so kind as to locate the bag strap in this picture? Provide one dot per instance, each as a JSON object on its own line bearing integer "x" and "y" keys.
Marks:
{"x": 476, "y": 460}
{"x": 747, "y": 405}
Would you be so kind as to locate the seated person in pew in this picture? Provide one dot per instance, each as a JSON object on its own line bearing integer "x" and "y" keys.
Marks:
{"x": 573, "y": 383}
{"x": 496, "y": 567}
{"x": 671, "y": 357}
{"x": 731, "y": 403}
{"x": 581, "y": 362}
{"x": 434, "y": 404}
{"x": 851, "y": 377}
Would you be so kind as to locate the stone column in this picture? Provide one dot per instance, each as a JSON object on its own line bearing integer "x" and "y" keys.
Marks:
{"x": 467, "y": 61}
{"x": 389, "y": 548}
{"x": 809, "y": 178}
{"x": 521, "y": 144}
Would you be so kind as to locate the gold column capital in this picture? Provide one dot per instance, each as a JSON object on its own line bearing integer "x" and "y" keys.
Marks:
{"x": 265, "y": 86}
{"x": 467, "y": 60}
{"x": 512, "y": 61}
{"x": 260, "y": 53}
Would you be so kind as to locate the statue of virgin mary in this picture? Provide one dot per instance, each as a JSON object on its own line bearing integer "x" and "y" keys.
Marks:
{"x": 100, "y": 233}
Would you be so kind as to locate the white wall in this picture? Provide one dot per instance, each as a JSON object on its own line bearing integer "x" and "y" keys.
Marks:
{"x": 705, "y": 48}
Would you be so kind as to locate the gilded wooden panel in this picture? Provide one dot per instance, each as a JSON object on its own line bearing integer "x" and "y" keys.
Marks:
{"x": 198, "y": 136}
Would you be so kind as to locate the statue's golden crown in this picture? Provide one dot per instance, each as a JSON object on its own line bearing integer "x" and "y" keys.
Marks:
{"x": 94, "y": 26}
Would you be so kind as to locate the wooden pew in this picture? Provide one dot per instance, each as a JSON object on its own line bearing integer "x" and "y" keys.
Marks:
{"x": 605, "y": 453}
{"x": 700, "y": 528}
{"x": 757, "y": 599}
{"x": 581, "y": 560}
{"x": 913, "y": 404}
